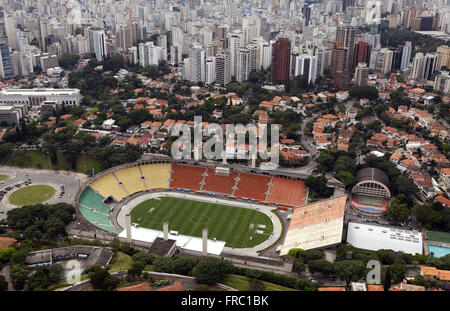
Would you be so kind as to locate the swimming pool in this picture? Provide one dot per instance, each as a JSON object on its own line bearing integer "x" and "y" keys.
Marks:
{"x": 438, "y": 251}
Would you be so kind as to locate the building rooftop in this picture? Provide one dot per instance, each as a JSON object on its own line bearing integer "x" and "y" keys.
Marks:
{"x": 316, "y": 225}
{"x": 160, "y": 247}
{"x": 374, "y": 238}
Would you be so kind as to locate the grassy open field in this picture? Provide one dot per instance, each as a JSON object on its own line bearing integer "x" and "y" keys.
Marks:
{"x": 236, "y": 226}
{"x": 122, "y": 262}
{"x": 3, "y": 177}
{"x": 242, "y": 283}
{"x": 31, "y": 195}
{"x": 40, "y": 160}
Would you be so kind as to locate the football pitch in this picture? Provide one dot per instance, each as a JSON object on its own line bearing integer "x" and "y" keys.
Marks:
{"x": 238, "y": 227}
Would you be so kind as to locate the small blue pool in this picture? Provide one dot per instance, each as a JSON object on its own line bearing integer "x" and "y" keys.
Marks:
{"x": 438, "y": 251}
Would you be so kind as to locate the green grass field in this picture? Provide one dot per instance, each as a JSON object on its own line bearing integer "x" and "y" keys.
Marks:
{"x": 242, "y": 283}
{"x": 40, "y": 160}
{"x": 31, "y": 195}
{"x": 234, "y": 225}
{"x": 3, "y": 177}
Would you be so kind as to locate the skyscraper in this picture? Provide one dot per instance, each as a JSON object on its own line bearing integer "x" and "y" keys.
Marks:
{"x": 306, "y": 65}
{"x": 281, "y": 52}
{"x": 243, "y": 65}
{"x": 361, "y": 74}
{"x": 406, "y": 55}
{"x": 339, "y": 72}
{"x": 418, "y": 67}
{"x": 97, "y": 42}
{"x": 223, "y": 68}
{"x": 345, "y": 35}
{"x": 362, "y": 53}
{"x": 6, "y": 68}
{"x": 197, "y": 63}
{"x": 429, "y": 66}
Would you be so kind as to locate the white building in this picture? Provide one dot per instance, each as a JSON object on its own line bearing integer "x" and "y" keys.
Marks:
{"x": 306, "y": 65}
{"x": 210, "y": 70}
{"x": 150, "y": 54}
{"x": 97, "y": 42}
{"x": 406, "y": 55}
{"x": 34, "y": 97}
{"x": 197, "y": 63}
{"x": 377, "y": 237}
{"x": 243, "y": 65}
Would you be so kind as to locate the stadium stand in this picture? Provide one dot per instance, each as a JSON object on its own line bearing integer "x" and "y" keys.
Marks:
{"x": 156, "y": 175}
{"x": 94, "y": 210}
{"x": 108, "y": 186}
{"x": 219, "y": 184}
{"x": 186, "y": 177}
{"x": 131, "y": 179}
{"x": 288, "y": 192}
{"x": 252, "y": 186}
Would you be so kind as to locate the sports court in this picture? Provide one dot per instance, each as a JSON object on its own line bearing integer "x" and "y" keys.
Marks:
{"x": 370, "y": 204}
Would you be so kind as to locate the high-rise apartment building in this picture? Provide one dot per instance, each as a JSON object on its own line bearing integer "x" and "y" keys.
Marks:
{"x": 345, "y": 35}
{"x": 362, "y": 53}
{"x": 361, "y": 74}
{"x": 281, "y": 52}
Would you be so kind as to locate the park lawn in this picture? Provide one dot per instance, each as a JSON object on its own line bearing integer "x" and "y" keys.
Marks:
{"x": 122, "y": 262}
{"x": 235, "y": 225}
{"x": 30, "y": 159}
{"x": 3, "y": 177}
{"x": 32, "y": 195}
{"x": 63, "y": 283}
{"x": 85, "y": 164}
{"x": 241, "y": 283}
{"x": 40, "y": 160}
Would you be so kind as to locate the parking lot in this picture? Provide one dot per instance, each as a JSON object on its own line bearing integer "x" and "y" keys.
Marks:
{"x": 65, "y": 183}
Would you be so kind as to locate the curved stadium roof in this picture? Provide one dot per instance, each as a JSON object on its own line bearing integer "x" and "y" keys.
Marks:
{"x": 370, "y": 173}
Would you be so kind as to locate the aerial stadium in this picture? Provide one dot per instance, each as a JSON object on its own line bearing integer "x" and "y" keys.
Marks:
{"x": 140, "y": 201}
{"x": 371, "y": 194}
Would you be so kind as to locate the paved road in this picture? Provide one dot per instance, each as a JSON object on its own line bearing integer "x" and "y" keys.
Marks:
{"x": 70, "y": 180}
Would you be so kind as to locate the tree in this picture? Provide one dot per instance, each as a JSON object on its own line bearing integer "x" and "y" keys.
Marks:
{"x": 346, "y": 178}
{"x": 319, "y": 185}
{"x": 5, "y": 254}
{"x": 397, "y": 272}
{"x": 163, "y": 264}
{"x": 313, "y": 255}
{"x": 320, "y": 265}
{"x": 183, "y": 265}
{"x": 326, "y": 160}
{"x": 368, "y": 92}
{"x": 67, "y": 61}
{"x": 387, "y": 280}
{"x": 142, "y": 256}
{"x": 136, "y": 269}
{"x": 19, "y": 276}
{"x": 212, "y": 270}
{"x": 350, "y": 270}
{"x": 3, "y": 283}
{"x": 386, "y": 256}
{"x": 296, "y": 253}
{"x": 397, "y": 211}
{"x": 101, "y": 279}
